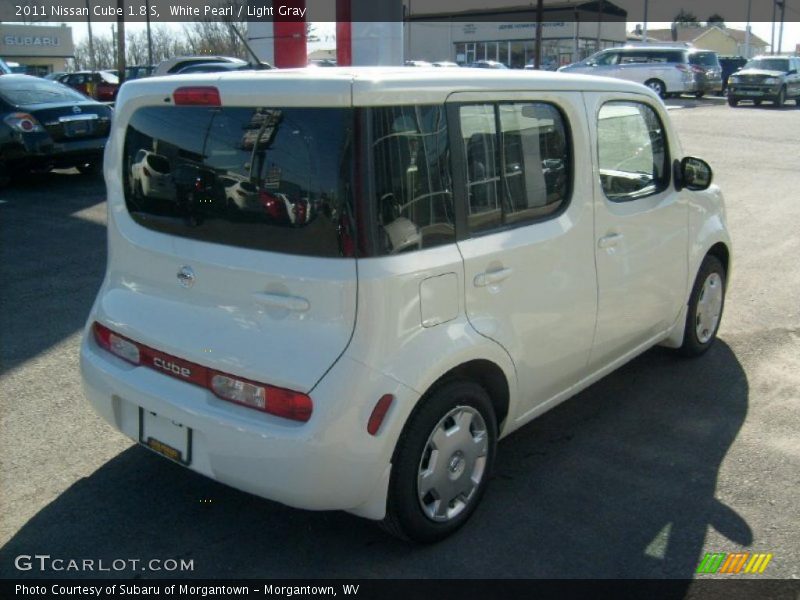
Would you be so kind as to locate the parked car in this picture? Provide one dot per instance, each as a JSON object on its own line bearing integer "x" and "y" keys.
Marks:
{"x": 54, "y": 75}
{"x": 730, "y": 64}
{"x": 487, "y": 64}
{"x": 369, "y": 358}
{"x": 44, "y": 125}
{"x": 100, "y": 85}
{"x": 771, "y": 78}
{"x": 667, "y": 70}
{"x": 216, "y": 67}
{"x": 173, "y": 65}
{"x": 151, "y": 176}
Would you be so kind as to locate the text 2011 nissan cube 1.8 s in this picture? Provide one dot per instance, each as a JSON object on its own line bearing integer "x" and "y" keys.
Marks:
{"x": 339, "y": 289}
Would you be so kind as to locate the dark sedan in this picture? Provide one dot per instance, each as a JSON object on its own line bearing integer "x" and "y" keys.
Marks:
{"x": 45, "y": 125}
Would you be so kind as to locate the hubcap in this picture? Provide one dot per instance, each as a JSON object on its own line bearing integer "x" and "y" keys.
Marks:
{"x": 709, "y": 307}
{"x": 453, "y": 464}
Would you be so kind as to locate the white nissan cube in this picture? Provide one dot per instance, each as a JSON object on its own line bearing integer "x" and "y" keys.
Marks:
{"x": 421, "y": 262}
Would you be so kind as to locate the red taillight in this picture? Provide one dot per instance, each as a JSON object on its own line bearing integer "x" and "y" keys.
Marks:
{"x": 259, "y": 396}
{"x": 698, "y": 69}
{"x": 379, "y": 413}
{"x": 197, "y": 96}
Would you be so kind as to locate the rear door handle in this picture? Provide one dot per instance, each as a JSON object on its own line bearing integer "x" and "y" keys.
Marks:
{"x": 293, "y": 303}
{"x": 610, "y": 240}
{"x": 492, "y": 277}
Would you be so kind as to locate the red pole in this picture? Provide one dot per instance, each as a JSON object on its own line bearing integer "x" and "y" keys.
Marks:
{"x": 290, "y": 35}
{"x": 344, "y": 34}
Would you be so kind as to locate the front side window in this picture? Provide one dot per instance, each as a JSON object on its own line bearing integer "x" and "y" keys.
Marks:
{"x": 276, "y": 179}
{"x": 632, "y": 151}
{"x": 520, "y": 173}
{"x": 413, "y": 188}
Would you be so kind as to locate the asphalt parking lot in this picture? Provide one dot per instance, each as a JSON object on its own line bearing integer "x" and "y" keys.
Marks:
{"x": 636, "y": 477}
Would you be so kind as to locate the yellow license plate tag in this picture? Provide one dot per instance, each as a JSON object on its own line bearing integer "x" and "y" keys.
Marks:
{"x": 166, "y": 437}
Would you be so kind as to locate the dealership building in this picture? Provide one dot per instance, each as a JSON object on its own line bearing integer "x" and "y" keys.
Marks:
{"x": 570, "y": 31}
{"x": 37, "y": 49}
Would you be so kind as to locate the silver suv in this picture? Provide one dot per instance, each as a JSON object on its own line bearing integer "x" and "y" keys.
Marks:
{"x": 771, "y": 78}
{"x": 666, "y": 70}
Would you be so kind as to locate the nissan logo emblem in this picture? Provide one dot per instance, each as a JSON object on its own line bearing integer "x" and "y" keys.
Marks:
{"x": 186, "y": 277}
{"x": 76, "y": 109}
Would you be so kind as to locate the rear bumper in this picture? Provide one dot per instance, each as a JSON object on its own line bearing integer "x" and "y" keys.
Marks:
{"x": 43, "y": 151}
{"x": 328, "y": 463}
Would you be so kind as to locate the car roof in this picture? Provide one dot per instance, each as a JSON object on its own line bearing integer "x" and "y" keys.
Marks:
{"x": 372, "y": 86}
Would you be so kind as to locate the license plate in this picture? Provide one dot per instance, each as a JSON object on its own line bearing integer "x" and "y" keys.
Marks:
{"x": 166, "y": 437}
{"x": 752, "y": 93}
{"x": 76, "y": 128}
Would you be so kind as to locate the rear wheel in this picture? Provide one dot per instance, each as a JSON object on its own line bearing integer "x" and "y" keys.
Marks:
{"x": 442, "y": 463}
{"x": 699, "y": 95}
{"x": 705, "y": 308}
{"x": 732, "y": 101}
{"x": 657, "y": 86}
{"x": 757, "y": 102}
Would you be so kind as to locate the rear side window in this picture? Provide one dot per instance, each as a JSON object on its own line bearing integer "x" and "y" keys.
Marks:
{"x": 38, "y": 91}
{"x": 275, "y": 179}
{"x": 413, "y": 187}
{"x": 632, "y": 150}
{"x": 518, "y": 166}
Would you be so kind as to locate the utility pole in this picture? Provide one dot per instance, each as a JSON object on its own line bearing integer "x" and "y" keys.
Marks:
{"x": 644, "y": 28}
{"x": 772, "y": 41}
{"x": 780, "y": 35}
{"x": 599, "y": 21}
{"x": 537, "y": 54}
{"x": 149, "y": 36}
{"x": 747, "y": 33}
{"x": 121, "y": 41}
{"x": 92, "y": 59}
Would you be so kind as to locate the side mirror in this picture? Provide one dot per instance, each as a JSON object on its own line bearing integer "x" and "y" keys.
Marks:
{"x": 693, "y": 174}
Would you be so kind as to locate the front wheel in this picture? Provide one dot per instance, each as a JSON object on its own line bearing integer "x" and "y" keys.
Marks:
{"x": 705, "y": 307}
{"x": 781, "y": 98}
{"x": 442, "y": 463}
{"x": 732, "y": 101}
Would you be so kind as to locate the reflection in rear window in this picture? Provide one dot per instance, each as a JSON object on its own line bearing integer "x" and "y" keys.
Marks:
{"x": 263, "y": 178}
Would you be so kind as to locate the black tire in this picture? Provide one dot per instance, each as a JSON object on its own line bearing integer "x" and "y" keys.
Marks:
{"x": 657, "y": 86}
{"x": 757, "y": 102}
{"x": 405, "y": 516}
{"x": 699, "y": 95}
{"x": 732, "y": 101}
{"x": 694, "y": 344}
{"x": 90, "y": 168}
{"x": 781, "y": 99}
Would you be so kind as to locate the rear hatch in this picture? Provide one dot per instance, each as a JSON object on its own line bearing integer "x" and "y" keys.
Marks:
{"x": 247, "y": 265}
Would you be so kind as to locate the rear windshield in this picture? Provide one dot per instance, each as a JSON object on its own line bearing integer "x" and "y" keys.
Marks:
{"x": 276, "y": 179}
{"x": 37, "y": 91}
{"x": 705, "y": 59}
{"x": 768, "y": 64}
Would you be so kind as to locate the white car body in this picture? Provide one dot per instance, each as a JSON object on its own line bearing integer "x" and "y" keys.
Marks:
{"x": 584, "y": 292}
